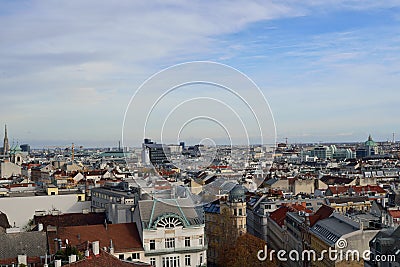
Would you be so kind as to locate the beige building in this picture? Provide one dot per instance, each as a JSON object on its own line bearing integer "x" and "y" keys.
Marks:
{"x": 8, "y": 169}
{"x": 302, "y": 186}
{"x": 345, "y": 204}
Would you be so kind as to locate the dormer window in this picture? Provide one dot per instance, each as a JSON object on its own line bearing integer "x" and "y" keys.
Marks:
{"x": 169, "y": 222}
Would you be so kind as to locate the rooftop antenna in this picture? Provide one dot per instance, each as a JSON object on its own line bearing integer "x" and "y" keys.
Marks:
{"x": 394, "y": 138}
{"x": 286, "y": 140}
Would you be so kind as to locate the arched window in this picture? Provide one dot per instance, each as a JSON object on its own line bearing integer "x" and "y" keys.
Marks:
{"x": 169, "y": 222}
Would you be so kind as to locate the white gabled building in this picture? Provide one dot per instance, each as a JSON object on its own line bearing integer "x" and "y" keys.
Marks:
{"x": 172, "y": 233}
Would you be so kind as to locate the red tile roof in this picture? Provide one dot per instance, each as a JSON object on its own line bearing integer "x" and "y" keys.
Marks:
{"x": 341, "y": 189}
{"x": 125, "y": 236}
{"x": 322, "y": 213}
{"x": 297, "y": 207}
{"x": 279, "y": 215}
{"x": 358, "y": 189}
{"x": 104, "y": 259}
{"x": 369, "y": 188}
{"x": 394, "y": 213}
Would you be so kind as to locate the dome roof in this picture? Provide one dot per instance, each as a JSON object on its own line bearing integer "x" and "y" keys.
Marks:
{"x": 15, "y": 149}
{"x": 238, "y": 193}
{"x": 370, "y": 142}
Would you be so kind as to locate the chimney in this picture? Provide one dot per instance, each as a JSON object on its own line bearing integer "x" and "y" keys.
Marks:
{"x": 45, "y": 261}
{"x": 22, "y": 260}
{"x": 57, "y": 263}
{"x": 111, "y": 247}
{"x": 71, "y": 258}
{"x": 96, "y": 248}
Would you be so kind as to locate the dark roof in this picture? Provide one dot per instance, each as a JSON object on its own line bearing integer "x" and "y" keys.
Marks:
{"x": 125, "y": 236}
{"x": 4, "y": 221}
{"x": 33, "y": 244}
{"x": 212, "y": 207}
{"x": 387, "y": 242}
{"x": 104, "y": 259}
{"x": 336, "y": 180}
{"x": 340, "y": 200}
{"x": 70, "y": 219}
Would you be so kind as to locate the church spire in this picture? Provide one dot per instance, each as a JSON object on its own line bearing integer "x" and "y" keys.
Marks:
{"x": 6, "y": 145}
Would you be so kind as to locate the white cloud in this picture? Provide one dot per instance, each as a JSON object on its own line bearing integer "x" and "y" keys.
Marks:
{"x": 56, "y": 53}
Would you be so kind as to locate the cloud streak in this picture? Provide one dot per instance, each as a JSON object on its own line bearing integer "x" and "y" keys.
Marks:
{"x": 64, "y": 54}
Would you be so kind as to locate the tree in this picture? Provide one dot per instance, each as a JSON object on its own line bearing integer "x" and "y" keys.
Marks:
{"x": 69, "y": 250}
{"x": 226, "y": 234}
{"x": 244, "y": 253}
{"x": 233, "y": 249}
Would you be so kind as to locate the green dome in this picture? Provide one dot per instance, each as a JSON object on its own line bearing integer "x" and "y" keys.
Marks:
{"x": 238, "y": 194}
{"x": 370, "y": 142}
{"x": 15, "y": 149}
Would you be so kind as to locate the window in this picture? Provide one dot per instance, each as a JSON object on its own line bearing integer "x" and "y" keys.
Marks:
{"x": 153, "y": 261}
{"x": 152, "y": 244}
{"x": 234, "y": 212}
{"x": 135, "y": 256}
{"x": 187, "y": 241}
{"x": 169, "y": 222}
{"x": 121, "y": 256}
{"x": 169, "y": 242}
{"x": 240, "y": 212}
{"x": 170, "y": 261}
{"x": 187, "y": 260}
{"x": 201, "y": 258}
{"x": 201, "y": 240}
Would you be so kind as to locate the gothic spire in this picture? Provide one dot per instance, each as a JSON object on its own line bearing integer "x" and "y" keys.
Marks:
{"x": 6, "y": 145}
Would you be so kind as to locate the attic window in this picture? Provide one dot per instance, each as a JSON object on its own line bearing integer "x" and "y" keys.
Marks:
{"x": 169, "y": 222}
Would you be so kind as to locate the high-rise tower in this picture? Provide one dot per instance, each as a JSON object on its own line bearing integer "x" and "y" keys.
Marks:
{"x": 6, "y": 145}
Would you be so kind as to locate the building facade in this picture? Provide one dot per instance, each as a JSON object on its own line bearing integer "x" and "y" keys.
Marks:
{"x": 172, "y": 233}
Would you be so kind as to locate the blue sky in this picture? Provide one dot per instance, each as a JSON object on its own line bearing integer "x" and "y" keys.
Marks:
{"x": 330, "y": 70}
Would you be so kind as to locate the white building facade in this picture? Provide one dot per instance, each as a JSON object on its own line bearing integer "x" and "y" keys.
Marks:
{"x": 172, "y": 233}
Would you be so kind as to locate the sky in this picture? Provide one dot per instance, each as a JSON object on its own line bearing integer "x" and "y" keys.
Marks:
{"x": 330, "y": 70}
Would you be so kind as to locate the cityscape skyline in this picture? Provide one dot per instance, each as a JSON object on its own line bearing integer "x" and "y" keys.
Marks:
{"x": 119, "y": 145}
{"x": 328, "y": 70}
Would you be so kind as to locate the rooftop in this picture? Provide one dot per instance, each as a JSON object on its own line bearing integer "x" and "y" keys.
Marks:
{"x": 124, "y": 236}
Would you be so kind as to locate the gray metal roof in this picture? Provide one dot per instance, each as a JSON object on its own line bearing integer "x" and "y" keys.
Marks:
{"x": 150, "y": 210}
{"x": 332, "y": 229}
{"x": 32, "y": 244}
{"x": 271, "y": 181}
